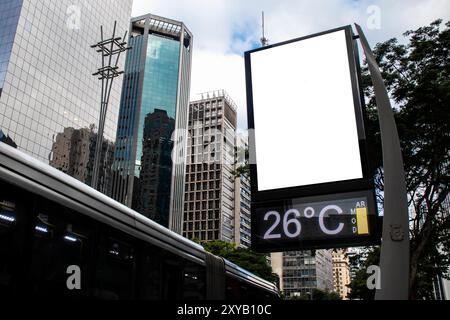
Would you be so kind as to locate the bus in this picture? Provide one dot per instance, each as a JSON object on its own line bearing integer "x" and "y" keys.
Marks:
{"x": 60, "y": 238}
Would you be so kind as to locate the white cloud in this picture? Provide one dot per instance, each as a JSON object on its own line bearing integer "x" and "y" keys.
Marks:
{"x": 215, "y": 71}
{"x": 223, "y": 29}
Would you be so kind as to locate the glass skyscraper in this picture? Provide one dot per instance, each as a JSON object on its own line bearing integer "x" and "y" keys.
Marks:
{"x": 149, "y": 165}
{"x": 9, "y": 18}
{"x": 49, "y": 100}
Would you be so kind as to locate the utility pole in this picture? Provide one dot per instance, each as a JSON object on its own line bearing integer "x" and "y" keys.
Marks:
{"x": 264, "y": 40}
{"x": 394, "y": 257}
{"x": 109, "y": 48}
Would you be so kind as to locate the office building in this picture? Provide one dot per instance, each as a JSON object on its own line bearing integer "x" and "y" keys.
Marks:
{"x": 5, "y": 139}
{"x": 441, "y": 283}
{"x": 9, "y": 18}
{"x": 73, "y": 153}
{"x": 341, "y": 272}
{"x": 301, "y": 272}
{"x": 242, "y": 219}
{"x": 209, "y": 206}
{"x": 149, "y": 160}
{"x": 46, "y": 67}
{"x": 439, "y": 292}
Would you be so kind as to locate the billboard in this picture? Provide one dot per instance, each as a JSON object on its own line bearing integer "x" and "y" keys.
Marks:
{"x": 306, "y": 130}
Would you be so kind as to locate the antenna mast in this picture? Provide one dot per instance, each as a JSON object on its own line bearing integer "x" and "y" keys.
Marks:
{"x": 264, "y": 40}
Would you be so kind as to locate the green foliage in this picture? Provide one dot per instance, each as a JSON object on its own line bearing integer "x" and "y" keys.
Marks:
{"x": 359, "y": 264}
{"x": 324, "y": 295}
{"x": 240, "y": 163}
{"x": 417, "y": 76}
{"x": 245, "y": 258}
{"x": 219, "y": 248}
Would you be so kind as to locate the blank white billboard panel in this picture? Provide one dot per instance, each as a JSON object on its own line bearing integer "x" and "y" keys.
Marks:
{"x": 304, "y": 113}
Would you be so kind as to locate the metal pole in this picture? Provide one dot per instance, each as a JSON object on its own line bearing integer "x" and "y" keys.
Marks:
{"x": 98, "y": 147}
{"x": 394, "y": 258}
{"x": 106, "y": 72}
{"x": 94, "y": 181}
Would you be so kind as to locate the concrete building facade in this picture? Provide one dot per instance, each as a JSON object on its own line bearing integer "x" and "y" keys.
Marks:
{"x": 301, "y": 272}
{"x": 242, "y": 219}
{"x": 341, "y": 272}
{"x": 73, "y": 153}
{"x": 209, "y": 206}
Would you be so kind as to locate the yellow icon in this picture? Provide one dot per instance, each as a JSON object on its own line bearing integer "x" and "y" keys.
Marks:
{"x": 361, "y": 220}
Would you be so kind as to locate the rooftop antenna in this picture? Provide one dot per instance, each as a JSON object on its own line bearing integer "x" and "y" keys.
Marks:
{"x": 264, "y": 40}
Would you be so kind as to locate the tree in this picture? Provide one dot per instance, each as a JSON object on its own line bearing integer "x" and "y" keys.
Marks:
{"x": 318, "y": 294}
{"x": 245, "y": 258}
{"x": 241, "y": 163}
{"x": 417, "y": 76}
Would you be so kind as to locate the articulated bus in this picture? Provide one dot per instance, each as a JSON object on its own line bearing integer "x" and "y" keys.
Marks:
{"x": 60, "y": 238}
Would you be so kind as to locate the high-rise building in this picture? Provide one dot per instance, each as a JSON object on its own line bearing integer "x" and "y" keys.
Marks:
{"x": 242, "y": 219}
{"x": 341, "y": 272}
{"x": 149, "y": 160}
{"x": 209, "y": 206}
{"x": 46, "y": 67}
{"x": 441, "y": 284}
{"x": 5, "y": 139}
{"x": 73, "y": 153}
{"x": 440, "y": 288}
{"x": 9, "y": 17}
{"x": 302, "y": 271}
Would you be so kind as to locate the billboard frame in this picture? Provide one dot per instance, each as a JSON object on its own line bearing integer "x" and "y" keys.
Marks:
{"x": 364, "y": 183}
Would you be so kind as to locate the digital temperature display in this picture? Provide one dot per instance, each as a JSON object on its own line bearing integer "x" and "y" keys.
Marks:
{"x": 349, "y": 219}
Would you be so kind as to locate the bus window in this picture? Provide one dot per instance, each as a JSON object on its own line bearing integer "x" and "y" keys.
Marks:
{"x": 61, "y": 252}
{"x": 8, "y": 226}
{"x": 172, "y": 276}
{"x": 167, "y": 276}
{"x": 240, "y": 290}
{"x": 255, "y": 293}
{"x": 115, "y": 270}
{"x": 150, "y": 275}
{"x": 235, "y": 289}
{"x": 194, "y": 283}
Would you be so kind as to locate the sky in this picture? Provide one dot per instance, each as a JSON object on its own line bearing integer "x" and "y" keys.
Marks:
{"x": 224, "y": 29}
